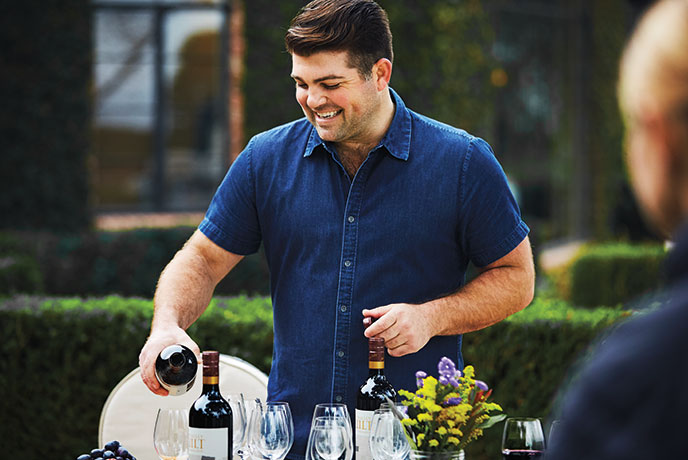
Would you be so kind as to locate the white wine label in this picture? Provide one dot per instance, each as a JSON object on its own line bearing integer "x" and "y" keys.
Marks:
{"x": 208, "y": 443}
{"x": 363, "y": 420}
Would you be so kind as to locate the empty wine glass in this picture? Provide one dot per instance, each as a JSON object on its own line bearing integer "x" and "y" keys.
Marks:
{"x": 387, "y": 436}
{"x": 341, "y": 414}
{"x": 523, "y": 437}
{"x": 171, "y": 434}
{"x": 328, "y": 439}
{"x": 239, "y": 423}
{"x": 271, "y": 433}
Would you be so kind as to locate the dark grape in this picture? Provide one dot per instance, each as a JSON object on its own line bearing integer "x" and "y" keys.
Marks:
{"x": 112, "y": 445}
{"x": 108, "y": 454}
{"x": 95, "y": 453}
{"x": 122, "y": 452}
{"x": 84, "y": 457}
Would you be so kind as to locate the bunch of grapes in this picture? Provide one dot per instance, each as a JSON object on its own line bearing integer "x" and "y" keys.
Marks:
{"x": 112, "y": 450}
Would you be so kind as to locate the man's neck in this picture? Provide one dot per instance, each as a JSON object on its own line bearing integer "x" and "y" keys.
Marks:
{"x": 353, "y": 154}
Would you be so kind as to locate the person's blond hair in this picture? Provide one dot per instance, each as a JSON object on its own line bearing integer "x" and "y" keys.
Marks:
{"x": 655, "y": 61}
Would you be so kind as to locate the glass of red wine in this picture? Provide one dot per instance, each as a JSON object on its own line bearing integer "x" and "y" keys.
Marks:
{"x": 523, "y": 438}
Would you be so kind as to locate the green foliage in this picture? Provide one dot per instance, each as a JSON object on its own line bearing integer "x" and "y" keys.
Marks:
{"x": 19, "y": 270}
{"x": 62, "y": 357}
{"x": 44, "y": 121}
{"x": 124, "y": 262}
{"x": 615, "y": 273}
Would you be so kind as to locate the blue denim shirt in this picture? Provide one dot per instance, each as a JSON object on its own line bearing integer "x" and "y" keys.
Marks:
{"x": 426, "y": 201}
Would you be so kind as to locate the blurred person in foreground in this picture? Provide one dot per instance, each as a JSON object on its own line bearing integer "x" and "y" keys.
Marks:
{"x": 630, "y": 400}
{"x": 365, "y": 209}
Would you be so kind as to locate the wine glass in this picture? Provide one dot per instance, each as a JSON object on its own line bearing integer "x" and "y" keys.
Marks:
{"x": 523, "y": 437}
{"x": 272, "y": 430}
{"x": 328, "y": 439}
{"x": 341, "y": 414}
{"x": 239, "y": 423}
{"x": 171, "y": 434}
{"x": 387, "y": 436}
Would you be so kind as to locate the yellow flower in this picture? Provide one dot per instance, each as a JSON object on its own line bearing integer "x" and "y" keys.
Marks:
{"x": 453, "y": 440}
{"x": 455, "y": 431}
{"x": 424, "y": 417}
{"x": 409, "y": 422}
{"x": 441, "y": 431}
{"x": 451, "y": 423}
{"x": 434, "y": 443}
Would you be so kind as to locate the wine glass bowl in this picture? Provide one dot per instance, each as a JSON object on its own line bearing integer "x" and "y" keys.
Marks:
{"x": 523, "y": 437}
{"x": 171, "y": 434}
{"x": 272, "y": 430}
{"x": 329, "y": 438}
{"x": 387, "y": 436}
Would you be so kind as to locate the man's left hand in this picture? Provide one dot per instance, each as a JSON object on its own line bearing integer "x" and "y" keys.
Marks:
{"x": 406, "y": 328}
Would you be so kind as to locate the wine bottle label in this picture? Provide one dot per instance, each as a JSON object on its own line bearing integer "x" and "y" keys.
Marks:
{"x": 208, "y": 443}
{"x": 363, "y": 420}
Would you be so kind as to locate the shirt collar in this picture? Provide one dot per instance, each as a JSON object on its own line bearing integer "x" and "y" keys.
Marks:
{"x": 397, "y": 140}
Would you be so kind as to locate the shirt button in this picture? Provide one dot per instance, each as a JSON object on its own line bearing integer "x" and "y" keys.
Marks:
{"x": 338, "y": 398}
{"x": 343, "y": 308}
{"x": 347, "y": 263}
{"x": 340, "y": 353}
{"x": 351, "y": 219}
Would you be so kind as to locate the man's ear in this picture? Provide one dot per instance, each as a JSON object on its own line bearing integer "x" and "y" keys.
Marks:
{"x": 382, "y": 72}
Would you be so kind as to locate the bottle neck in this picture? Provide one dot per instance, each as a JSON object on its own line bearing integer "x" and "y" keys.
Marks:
{"x": 376, "y": 368}
{"x": 211, "y": 384}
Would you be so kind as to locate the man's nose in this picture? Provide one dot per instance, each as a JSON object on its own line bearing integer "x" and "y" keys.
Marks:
{"x": 315, "y": 99}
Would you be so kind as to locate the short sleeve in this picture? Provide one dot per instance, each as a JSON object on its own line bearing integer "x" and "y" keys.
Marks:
{"x": 491, "y": 224}
{"x": 231, "y": 221}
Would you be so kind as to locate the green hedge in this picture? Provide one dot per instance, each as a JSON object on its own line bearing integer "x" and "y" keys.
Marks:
{"x": 612, "y": 274}
{"x": 61, "y": 358}
{"x": 127, "y": 263}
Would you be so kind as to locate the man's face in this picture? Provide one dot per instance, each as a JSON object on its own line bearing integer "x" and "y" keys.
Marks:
{"x": 340, "y": 103}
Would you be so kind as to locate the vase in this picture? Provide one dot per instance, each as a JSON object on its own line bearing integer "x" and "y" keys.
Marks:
{"x": 447, "y": 455}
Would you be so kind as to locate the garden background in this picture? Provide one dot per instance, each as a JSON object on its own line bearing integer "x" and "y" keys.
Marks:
{"x": 101, "y": 185}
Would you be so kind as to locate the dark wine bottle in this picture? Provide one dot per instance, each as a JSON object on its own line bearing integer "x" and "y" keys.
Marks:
{"x": 371, "y": 395}
{"x": 210, "y": 416}
{"x": 175, "y": 369}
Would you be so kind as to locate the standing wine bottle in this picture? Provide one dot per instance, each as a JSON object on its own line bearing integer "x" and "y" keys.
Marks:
{"x": 371, "y": 395}
{"x": 210, "y": 417}
{"x": 175, "y": 369}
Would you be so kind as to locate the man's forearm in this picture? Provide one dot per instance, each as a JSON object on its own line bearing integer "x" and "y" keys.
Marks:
{"x": 489, "y": 298}
{"x": 183, "y": 292}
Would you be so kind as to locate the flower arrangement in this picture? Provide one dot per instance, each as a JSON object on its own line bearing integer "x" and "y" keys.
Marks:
{"x": 447, "y": 413}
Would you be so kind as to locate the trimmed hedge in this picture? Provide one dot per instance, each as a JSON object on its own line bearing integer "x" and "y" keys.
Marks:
{"x": 127, "y": 263}
{"x": 610, "y": 274}
{"x": 63, "y": 356}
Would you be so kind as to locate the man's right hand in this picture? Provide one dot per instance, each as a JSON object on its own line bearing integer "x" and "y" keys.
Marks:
{"x": 157, "y": 341}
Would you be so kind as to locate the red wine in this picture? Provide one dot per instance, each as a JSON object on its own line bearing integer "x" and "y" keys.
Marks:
{"x": 175, "y": 369}
{"x": 371, "y": 394}
{"x": 210, "y": 417}
{"x": 508, "y": 454}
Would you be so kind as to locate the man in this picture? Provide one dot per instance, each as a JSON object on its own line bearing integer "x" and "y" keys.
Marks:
{"x": 365, "y": 208}
{"x": 630, "y": 400}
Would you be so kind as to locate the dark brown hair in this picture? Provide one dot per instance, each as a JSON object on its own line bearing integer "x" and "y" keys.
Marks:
{"x": 359, "y": 27}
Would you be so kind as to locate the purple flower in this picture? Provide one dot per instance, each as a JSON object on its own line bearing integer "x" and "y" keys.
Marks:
{"x": 446, "y": 367}
{"x": 420, "y": 375}
{"x": 481, "y": 385}
{"x": 453, "y": 401}
{"x": 453, "y": 382}
{"x": 443, "y": 379}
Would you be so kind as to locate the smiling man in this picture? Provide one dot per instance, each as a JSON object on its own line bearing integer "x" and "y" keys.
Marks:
{"x": 365, "y": 209}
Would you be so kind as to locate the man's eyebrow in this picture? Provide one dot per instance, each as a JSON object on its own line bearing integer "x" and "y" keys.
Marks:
{"x": 321, "y": 79}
